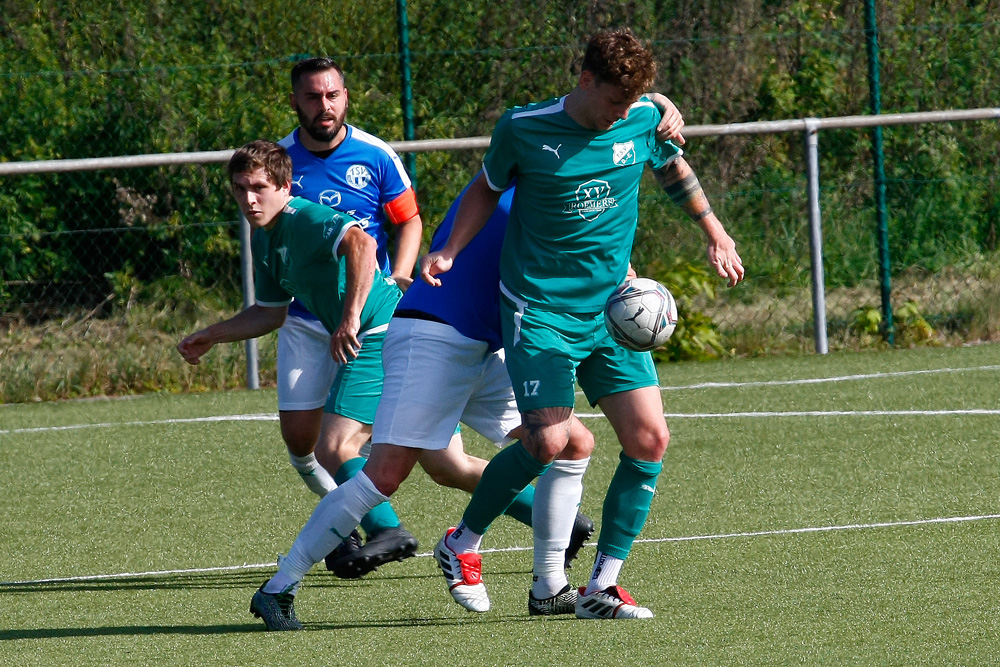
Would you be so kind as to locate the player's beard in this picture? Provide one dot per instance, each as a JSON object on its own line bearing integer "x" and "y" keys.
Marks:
{"x": 317, "y": 132}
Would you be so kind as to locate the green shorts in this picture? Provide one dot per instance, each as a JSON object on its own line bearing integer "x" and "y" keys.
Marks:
{"x": 549, "y": 352}
{"x": 357, "y": 387}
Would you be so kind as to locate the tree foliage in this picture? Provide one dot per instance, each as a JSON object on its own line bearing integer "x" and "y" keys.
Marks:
{"x": 89, "y": 79}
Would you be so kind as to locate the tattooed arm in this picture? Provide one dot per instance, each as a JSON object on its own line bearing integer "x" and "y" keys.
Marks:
{"x": 681, "y": 184}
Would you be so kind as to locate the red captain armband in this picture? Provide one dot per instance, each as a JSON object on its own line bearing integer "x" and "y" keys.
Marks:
{"x": 403, "y": 207}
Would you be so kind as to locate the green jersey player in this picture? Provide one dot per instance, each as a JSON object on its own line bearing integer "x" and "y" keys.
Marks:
{"x": 325, "y": 259}
{"x": 577, "y": 161}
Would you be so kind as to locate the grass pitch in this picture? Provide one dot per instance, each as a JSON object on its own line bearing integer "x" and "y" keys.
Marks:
{"x": 813, "y": 510}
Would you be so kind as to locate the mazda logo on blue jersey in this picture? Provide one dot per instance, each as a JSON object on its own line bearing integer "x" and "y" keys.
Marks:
{"x": 329, "y": 198}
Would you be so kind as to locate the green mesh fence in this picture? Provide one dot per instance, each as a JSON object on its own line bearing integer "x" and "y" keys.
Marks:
{"x": 96, "y": 80}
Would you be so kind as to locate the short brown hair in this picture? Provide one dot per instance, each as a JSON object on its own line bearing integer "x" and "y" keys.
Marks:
{"x": 265, "y": 155}
{"x": 619, "y": 58}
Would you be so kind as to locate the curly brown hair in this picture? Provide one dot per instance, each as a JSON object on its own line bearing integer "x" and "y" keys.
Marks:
{"x": 618, "y": 57}
{"x": 262, "y": 154}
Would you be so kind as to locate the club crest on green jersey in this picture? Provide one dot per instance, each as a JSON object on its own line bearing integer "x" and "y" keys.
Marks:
{"x": 624, "y": 153}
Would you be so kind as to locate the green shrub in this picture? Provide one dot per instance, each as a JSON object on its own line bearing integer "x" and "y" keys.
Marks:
{"x": 696, "y": 336}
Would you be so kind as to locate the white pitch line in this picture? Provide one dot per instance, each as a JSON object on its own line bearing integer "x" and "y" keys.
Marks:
{"x": 660, "y": 540}
{"x": 702, "y": 385}
{"x": 823, "y": 529}
{"x": 839, "y": 378}
{"x": 273, "y": 416}
{"x": 811, "y": 413}
{"x": 836, "y": 378}
{"x": 581, "y": 415}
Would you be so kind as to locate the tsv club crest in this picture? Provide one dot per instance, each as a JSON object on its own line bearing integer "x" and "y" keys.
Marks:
{"x": 358, "y": 176}
{"x": 624, "y": 153}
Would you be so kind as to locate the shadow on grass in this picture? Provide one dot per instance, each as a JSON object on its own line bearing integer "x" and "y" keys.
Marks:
{"x": 214, "y": 580}
{"x": 243, "y": 628}
{"x": 127, "y": 630}
{"x": 151, "y": 583}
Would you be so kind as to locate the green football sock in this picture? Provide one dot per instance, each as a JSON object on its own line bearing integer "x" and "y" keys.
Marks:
{"x": 520, "y": 509}
{"x": 626, "y": 504}
{"x": 379, "y": 517}
{"x": 506, "y": 476}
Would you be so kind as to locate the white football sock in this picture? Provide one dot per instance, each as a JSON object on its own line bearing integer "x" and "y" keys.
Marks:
{"x": 313, "y": 474}
{"x": 605, "y": 572}
{"x": 557, "y": 500}
{"x": 336, "y": 515}
{"x": 545, "y": 587}
{"x": 463, "y": 541}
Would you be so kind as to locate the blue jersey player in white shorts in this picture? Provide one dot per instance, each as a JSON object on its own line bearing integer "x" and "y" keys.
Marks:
{"x": 347, "y": 169}
{"x": 338, "y": 165}
{"x": 577, "y": 161}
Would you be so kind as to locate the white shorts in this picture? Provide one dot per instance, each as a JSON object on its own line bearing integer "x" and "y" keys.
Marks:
{"x": 436, "y": 377}
{"x": 305, "y": 366}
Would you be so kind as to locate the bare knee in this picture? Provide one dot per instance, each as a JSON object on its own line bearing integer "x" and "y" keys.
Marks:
{"x": 546, "y": 432}
{"x": 453, "y": 468}
{"x": 581, "y": 442}
{"x": 647, "y": 443}
{"x": 440, "y": 474}
{"x": 389, "y": 466}
{"x": 300, "y": 430}
{"x": 340, "y": 441}
{"x": 387, "y": 482}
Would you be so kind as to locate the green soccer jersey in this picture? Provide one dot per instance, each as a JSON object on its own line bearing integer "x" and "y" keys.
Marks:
{"x": 298, "y": 258}
{"x": 574, "y": 215}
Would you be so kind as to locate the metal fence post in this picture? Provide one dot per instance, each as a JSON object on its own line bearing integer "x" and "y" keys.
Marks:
{"x": 878, "y": 158}
{"x": 249, "y": 299}
{"x": 816, "y": 235}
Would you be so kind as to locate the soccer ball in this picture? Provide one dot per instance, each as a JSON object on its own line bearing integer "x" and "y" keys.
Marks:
{"x": 640, "y": 314}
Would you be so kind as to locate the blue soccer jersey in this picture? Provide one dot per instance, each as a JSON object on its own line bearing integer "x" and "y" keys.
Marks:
{"x": 469, "y": 296}
{"x": 360, "y": 177}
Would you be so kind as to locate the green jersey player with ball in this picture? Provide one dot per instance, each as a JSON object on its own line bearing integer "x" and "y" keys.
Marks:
{"x": 577, "y": 161}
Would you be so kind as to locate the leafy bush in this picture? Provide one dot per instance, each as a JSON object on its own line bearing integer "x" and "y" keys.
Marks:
{"x": 696, "y": 336}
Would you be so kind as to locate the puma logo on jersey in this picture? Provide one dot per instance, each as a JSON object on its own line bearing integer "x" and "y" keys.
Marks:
{"x": 555, "y": 151}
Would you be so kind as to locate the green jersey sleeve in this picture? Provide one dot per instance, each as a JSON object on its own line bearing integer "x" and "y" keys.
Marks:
{"x": 664, "y": 153}
{"x": 500, "y": 163}
{"x": 267, "y": 290}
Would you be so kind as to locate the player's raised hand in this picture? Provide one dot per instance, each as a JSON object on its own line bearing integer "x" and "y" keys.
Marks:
{"x": 434, "y": 264}
{"x": 723, "y": 257}
{"x": 671, "y": 121}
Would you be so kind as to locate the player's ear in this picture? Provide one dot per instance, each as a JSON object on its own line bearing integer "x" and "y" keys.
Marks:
{"x": 291, "y": 102}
